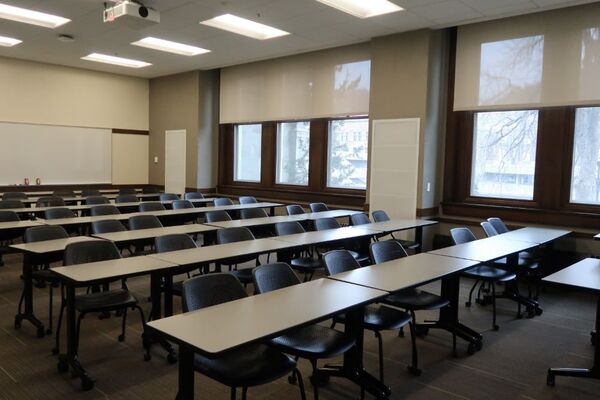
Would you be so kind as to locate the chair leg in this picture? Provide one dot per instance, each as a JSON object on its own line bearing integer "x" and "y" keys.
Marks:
{"x": 414, "y": 367}
{"x": 380, "y": 343}
{"x": 494, "y": 326}
{"x": 123, "y": 323}
{"x": 468, "y": 304}
{"x": 77, "y": 331}
{"x": 50, "y": 297}
{"x": 244, "y": 392}
{"x": 20, "y": 307}
{"x": 300, "y": 383}
{"x": 315, "y": 379}
{"x": 233, "y": 395}
{"x": 56, "y": 348}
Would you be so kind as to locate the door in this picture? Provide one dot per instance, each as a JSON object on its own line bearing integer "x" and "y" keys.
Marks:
{"x": 175, "y": 149}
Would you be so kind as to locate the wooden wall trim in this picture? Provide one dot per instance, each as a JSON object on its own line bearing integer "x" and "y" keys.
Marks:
{"x": 428, "y": 212}
{"x": 130, "y": 132}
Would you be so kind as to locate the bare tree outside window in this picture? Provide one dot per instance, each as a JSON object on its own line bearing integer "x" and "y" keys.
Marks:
{"x": 585, "y": 172}
{"x": 348, "y": 153}
{"x": 293, "y": 152}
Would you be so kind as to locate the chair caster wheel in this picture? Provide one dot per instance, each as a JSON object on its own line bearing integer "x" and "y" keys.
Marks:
{"x": 474, "y": 348}
{"x": 40, "y": 333}
{"x": 62, "y": 367}
{"x": 87, "y": 384}
{"x": 121, "y": 338}
{"x": 539, "y": 311}
{"x": 292, "y": 379}
{"x": 496, "y": 328}
{"x": 171, "y": 358}
{"x": 414, "y": 370}
{"x": 550, "y": 380}
{"x": 147, "y": 357}
{"x": 55, "y": 351}
{"x": 468, "y": 304}
{"x": 530, "y": 313}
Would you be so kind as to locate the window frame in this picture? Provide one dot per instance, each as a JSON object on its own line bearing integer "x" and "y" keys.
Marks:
{"x": 276, "y": 154}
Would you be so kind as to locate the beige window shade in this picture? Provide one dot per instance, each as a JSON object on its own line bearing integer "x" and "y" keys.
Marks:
{"x": 537, "y": 60}
{"x": 320, "y": 84}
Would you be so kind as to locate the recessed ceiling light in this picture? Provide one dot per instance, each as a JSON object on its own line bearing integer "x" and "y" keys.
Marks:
{"x": 363, "y": 8}
{"x": 31, "y": 17}
{"x": 123, "y": 62}
{"x": 244, "y": 27}
{"x": 9, "y": 42}
{"x": 171, "y": 47}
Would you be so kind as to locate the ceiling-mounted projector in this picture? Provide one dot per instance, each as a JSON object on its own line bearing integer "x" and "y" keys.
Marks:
{"x": 132, "y": 12}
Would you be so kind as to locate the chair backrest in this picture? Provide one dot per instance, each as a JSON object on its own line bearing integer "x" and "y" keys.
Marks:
{"x": 193, "y": 196}
{"x": 168, "y": 197}
{"x": 318, "y": 207}
{"x": 488, "y": 228}
{"x": 58, "y": 213}
{"x": 107, "y": 226}
{"x": 180, "y": 204}
{"x": 143, "y": 222}
{"x": 274, "y": 276}
{"x": 338, "y": 261}
{"x": 44, "y": 232}
{"x": 210, "y": 290}
{"x": 322, "y": 224}
{"x": 247, "y": 200}
{"x": 127, "y": 198}
{"x": 462, "y": 235}
{"x": 11, "y": 203}
{"x": 127, "y": 191}
{"x": 151, "y": 206}
{"x": 14, "y": 196}
{"x": 8, "y": 216}
{"x": 93, "y": 200}
{"x": 104, "y": 209}
{"x": 253, "y": 213}
{"x": 174, "y": 242}
{"x": 217, "y": 216}
{"x": 90, "y": 192}
{"x": 150, "y": 189}
{"x": 379, "y": 216}
{"x": 498, "y": 225}
{"x": 288, "y": 228}
{"x": 50, "y": 201}
{"x": 231, "y": 235}
{"x": 63, "y": 193}
{"x": 90, "y": 251}
{"x": 223, "y": 201}
{"x": 360, "y": 219}
{"x": 294, "y": 209}
{"x": 386, "y": 250}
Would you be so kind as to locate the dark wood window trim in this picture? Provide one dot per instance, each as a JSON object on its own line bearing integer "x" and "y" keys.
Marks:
{"x": 130, "y": 132}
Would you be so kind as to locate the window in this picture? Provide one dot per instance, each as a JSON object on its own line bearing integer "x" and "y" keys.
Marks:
{"x": 247, "y": 151}
{"x": 504, "y": 150}
{"x": 585, "y": 171}
{"x": 348, "y": 153}
{"x": 293, "y": 148}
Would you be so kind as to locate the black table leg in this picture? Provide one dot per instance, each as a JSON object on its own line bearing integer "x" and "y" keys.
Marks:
{"x": 27, "y": 313}
{"x": 419, "y": 239}
{"x": 70, "y": 359}
{"x": 156, "y": 313}
{"x": 186, "y": 373}
{"x": 593, "y": 372}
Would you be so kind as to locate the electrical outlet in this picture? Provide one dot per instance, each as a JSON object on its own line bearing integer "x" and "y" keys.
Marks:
{"x": 155, "y": 159}
{"x": 428, "y": 186}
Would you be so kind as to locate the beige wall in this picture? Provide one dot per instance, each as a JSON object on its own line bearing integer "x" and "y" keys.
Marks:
{"x": 37, "y": 93}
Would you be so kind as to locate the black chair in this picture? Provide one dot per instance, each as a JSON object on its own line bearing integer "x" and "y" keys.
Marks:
{"x": 482, "y": 273}
{"x": 231, "y": 235}
{"x": 96, "y": 200}
{"x": 90, "y": 192}
{"x": 41, "y": 272}
{"x": 11, "y": 203}
{"x": 149, "y": 190}
{"x": 294, "y": 209}
{"x": 151, "y": 206}
{"x": 181, "y": 204}
{"x": 104, "y": 209}
{"x": 193, "y": 196}
{"x": 312, "y": 342}
{"x": 58, "y": 213}
{"x": 102, "y": 301}
{"x": 243, "y": 367}
{"x": 8, "y": 235}
{"x": 222, "y": 201}
{"x": 50, "y": 201}
{"x": 168, "y": 197}
{"x": 63, "y": 193}
{"x": 377, "y": 317}
{"x": 217, "y": 216}
{"x": 323, "y": 224}
{"x": 303, "y": 261}
{"x": 14, "y": 196}
{"x": 250, "y": 213}
{"x": 318, "y": 207}
{"x": 500, "y": 227}
{"x": 143, "y": 222}
{"x": 360, "y": 219}
{"x": 107, "y": 226}
{"x": 174, "y": 242}
{"x": 247, "y": 200}
{"x": 127, "y": 191}
{"x": 412, "y": 299}
{"x": 127, "y": 198}
{"x": 380, "y": 216}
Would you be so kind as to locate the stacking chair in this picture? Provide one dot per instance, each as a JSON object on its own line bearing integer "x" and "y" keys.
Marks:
{"x": 143, "y": 222}
{"x": 63, "y": 193}
{"x": 360, "y": 219}
{"x": 231, "y": 235}
{"x": 149, "y": 190}
{"x": 181, "y": 204}
{"x": 380, "y": 216}
{"x": 318, "y": 207}
{"x": 105, "y": 301}
{"x": 500, "y": 227}
{"x": 302, "y": 261}
{"x": 107, "y": 226}
{"x": 127, "y": 191}
{"x": 104, "y": 209}
{"x": 96, "y": 200}
{"x": 174, "y": 242}
{"x": 412, "y": 299}
{"x": 482, "y": 274}
{"x": 249, "y": 213}
{"x": 11, "y": 203}
{"x": 294, "y": 209}
{"x": 323, "y": 224}
{"x": 14, "y": 196}
{"x": 217, "y": 216}
{"x": 127, "y": 198}
{"x": 193, "y": 196}
{"x": 41, "y": 273}
{"x": 313, "y": 342}
{"x": 168, "y": 197}
{"x": 7, "y": 236}
{"x": 58, "y": 213}
{"x": 243, "y": 367}
{"x": 50, "y": 201}
{"x": 90, "y": 192}
{"x": 223, "y": 201}
{"x": 247, "y": 200}
{"x": 151, "y": 206}
{"x": 377, "y": 317}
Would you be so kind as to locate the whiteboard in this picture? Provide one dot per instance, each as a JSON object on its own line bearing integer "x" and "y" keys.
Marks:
{"x": 55, "y": 154}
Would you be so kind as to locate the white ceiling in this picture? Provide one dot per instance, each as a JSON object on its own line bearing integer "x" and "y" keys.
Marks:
{"x": 312, "y": 26}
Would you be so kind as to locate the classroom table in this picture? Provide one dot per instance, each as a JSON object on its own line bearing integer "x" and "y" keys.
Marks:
{"x": 36, "y": 253}
{"x": 397, "y": 225}
{"x": 327, "y": 236}
{"x": 86, "y": 207}
{"x": 277, "y": 312}
{"x": 584, "y": 275}
{"x": 12, "y": 229}
{"x": 535, "y": 235}
{"x": 90, "y": 274}
{"x": 141, "y": 236}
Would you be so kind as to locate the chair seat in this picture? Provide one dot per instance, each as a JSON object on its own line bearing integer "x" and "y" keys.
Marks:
{"x": 414, "y": 299}
{"x": 105, "y": 301}
{"x": 45, "y": 275}
{"x": 243, "y": 275}
{"x": 487, "y": 273}
{"x": 381, "y": 318}
{"x": 314, "y": 341}
{"x": 360, "y": 258}
{"x": 307, "y": 264}
{"x": 247, "y": 366}
{"x": 408, "y": 244}
{"x": 524, "y": 263}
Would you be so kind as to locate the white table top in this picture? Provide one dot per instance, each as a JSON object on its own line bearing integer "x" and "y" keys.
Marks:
{"x": 396, "y": 225}
{"x": 141, "y": 234}
{"x": 484, "y": 250}
{"x": 535, "y": 235}
{"x": 50, "y": 246}
{"x": 330, "y": 235}
{"x": 215, "y": 329}
{"x": 584, "y": 274}
{"x": 19, "y": 224}
{"x": 257, "y": 221}
{"x": 330, "y": 214}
